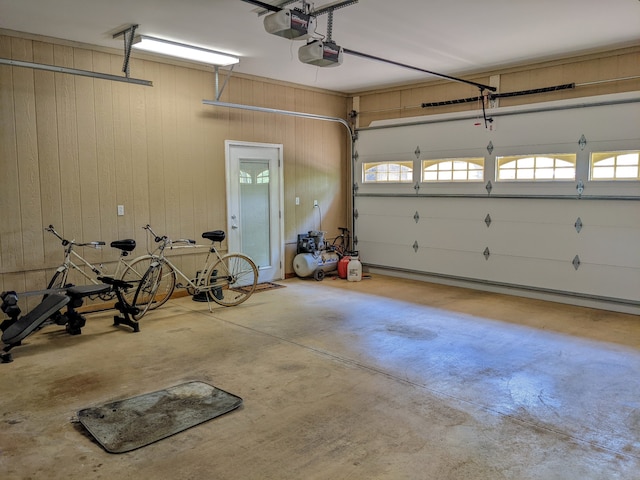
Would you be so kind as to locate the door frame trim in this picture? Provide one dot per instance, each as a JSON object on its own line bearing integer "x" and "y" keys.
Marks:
{"x": 228, "y": 144}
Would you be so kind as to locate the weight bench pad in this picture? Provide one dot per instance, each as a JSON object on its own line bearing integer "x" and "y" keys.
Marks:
{"x": 32, "y": 320}
{"x": 86, "y": 290}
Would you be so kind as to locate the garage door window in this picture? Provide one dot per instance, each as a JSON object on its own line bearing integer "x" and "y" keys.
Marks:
{"x": 550, "y": 167}
{"x": 387, "y": 172}
{"x": 453, "y": 170}
{"x": 615, "y": 165}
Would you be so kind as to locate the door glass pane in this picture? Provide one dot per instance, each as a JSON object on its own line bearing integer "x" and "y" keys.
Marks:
{"x": 254, "y": 210}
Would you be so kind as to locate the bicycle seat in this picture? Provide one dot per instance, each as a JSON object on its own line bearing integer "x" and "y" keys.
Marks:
{"x": 214, "y": 236}
{"x": 125, "y": 245}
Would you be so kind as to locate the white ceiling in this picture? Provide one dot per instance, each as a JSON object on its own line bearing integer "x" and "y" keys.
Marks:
{"x": 452, "y": 37}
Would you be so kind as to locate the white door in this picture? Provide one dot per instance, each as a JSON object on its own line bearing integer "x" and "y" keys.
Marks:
{"x": 254, "y": 205}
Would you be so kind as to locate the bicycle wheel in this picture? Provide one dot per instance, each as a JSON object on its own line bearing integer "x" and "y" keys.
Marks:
{"x": 58, "y": 280}
{"x": 135, "y": 271}
{"x": 232, "y": 279}
{"x": 146, "y": 291}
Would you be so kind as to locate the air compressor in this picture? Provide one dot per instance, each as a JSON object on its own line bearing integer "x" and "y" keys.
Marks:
{"x": 313, "y": 258}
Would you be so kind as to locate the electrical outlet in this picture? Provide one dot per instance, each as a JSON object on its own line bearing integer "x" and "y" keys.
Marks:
{"x": 315, "y": 203}
{"x": 120, "y": 210}
{"x": 297, "y": 200}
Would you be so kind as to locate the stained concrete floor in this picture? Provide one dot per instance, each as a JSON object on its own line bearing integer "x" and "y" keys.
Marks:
{"x": 381, "y": 379}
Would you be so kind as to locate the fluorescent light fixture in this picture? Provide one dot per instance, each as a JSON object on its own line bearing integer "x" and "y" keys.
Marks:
{"x": 189, "y": 52}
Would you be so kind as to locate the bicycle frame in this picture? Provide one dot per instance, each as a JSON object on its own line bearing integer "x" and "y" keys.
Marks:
{"x": 68, "y": 263}
{"x": 217, "y": 273}
{"x": 195, "y": 285}
{"x": 70, "y": 255}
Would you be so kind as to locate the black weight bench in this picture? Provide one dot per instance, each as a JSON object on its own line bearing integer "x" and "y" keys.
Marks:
{"x": 75, "y": 321}
{"x": 15, "y": 329}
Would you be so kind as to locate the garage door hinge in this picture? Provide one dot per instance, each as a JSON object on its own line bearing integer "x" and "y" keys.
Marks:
{"x": 416, "y": 217}
{"x": 356, "y": 214}
{"x": 582, "y": 142}
{"x": 580, "y": 188}
{"x": 486, "y": 253}
{"x": 416, "y": 187}
{"x": 489, "y": 187}
{"x": 578, "y": 225}
{"x": 415, "y": 246}
{"x": 487, "y": 220}
{"x": 576, "y": 262}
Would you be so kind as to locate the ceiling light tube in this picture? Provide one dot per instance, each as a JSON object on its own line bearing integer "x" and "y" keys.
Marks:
{"x": 189, "y": 52}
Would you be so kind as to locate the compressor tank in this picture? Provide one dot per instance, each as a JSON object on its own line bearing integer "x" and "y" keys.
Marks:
{"x": 306, "y": 264}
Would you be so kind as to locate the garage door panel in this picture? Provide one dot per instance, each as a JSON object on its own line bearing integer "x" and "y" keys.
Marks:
{"x": 533, "y": 241}
{"x": 544, "y": 274}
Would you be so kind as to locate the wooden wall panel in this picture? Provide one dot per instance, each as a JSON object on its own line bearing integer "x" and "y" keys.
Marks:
{"x": 73, "y": 148}
{"x": 11, "y": 240}
{"x": 608, "y": 69}
{"x": 48, "y": 157}
{"x": 27, "y": 155}
{"x": 123, "y": 155}
{"x": 202, "y": 171}
{"x": 139, "y": 210}
{"x": 105, "y": 151}
{"x": 155, "y": 154}
{"x": 88, "y": 229}
{"x": 68, "y": 145}
{"x": 170, "y": 162}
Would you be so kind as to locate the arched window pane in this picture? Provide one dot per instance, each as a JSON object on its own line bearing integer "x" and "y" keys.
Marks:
{"x": 536, "y": 167}
{"x": 387, "y": 172}
{"x": 453, "y": 169}
{"x": 615, "y": 165}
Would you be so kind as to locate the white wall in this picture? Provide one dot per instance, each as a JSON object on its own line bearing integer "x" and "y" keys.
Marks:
{"x": 532, "y": 238}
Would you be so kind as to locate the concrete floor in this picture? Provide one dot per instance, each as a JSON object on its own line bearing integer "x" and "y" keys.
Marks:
{"x": 381, "y": 379}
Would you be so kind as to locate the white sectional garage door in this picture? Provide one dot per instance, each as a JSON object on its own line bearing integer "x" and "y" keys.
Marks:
{"x": 576, "y": 240}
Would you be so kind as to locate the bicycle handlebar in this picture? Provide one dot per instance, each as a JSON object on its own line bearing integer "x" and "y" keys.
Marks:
{"x": 184, "y": 240}
{"x": 65, "y": 242}
{"x": 164, "y": 238}
{"x": 156, "y": 238}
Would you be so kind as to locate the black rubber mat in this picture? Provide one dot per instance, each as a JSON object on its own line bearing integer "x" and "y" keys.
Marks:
{"x": 125, "y": 425}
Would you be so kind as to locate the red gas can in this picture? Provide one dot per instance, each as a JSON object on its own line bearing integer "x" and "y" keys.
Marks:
{"x": 342, "y": 266}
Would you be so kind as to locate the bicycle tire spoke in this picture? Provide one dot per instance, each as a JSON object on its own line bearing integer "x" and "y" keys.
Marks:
{"x": 233, "y": 280}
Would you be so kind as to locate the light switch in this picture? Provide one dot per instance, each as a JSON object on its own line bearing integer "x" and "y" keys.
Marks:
{"x": 120, "y": 210}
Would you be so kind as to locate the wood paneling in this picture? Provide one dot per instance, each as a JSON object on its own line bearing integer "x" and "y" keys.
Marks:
{"x": 74, "y": 148}
{"x": 610, "y": 69}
